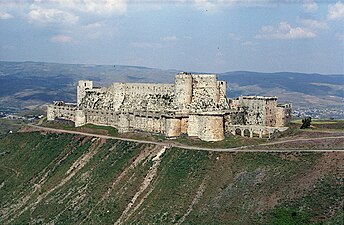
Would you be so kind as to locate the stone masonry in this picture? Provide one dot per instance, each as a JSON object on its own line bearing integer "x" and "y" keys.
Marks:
{"x": 195, "y": 105}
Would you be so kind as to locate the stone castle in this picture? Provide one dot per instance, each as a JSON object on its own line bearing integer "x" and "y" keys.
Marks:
{"x": 195, "y": 105}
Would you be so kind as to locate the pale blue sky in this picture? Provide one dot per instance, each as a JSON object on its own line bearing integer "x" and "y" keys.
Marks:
{"x": 196, "y": 35}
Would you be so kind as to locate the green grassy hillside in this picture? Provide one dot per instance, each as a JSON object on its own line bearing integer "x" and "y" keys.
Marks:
{"x": 71, "y": 179}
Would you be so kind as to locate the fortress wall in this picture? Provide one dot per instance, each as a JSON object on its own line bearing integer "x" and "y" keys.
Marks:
{"x": 102, "y": 117}
{"x": 270, "y": 113}
{"x": 259, "y": 110}
{"x": 64, "y": 112}
{"x": 147, "y": 124}
{"x": 254, "y": 110}
{"x": 126, "y": 122}
{"x": 204, "y": 86}
{"x": 173, "y": 127}
{"x": 148, "y": 88}
{"x": 114, "y": 96}
{"x": 193, "y": 125}
{"x": 184, "y": 125}
{"x": 118, "y": 92}
{"x": 231, "y": 119}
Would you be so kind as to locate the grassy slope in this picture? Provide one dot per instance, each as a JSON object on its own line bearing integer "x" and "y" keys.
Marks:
{"x": 7, "y": 125}
{"x": 40, "y": 182}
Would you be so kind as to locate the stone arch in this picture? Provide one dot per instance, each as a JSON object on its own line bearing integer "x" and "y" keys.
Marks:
{"x": 246, "y": 132}
{"x": 237, "y": 131}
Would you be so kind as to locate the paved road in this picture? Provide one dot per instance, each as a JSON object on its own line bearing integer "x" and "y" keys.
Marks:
{"x": 238, "y": 149}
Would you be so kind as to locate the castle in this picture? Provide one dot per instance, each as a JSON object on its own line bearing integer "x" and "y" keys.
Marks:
{"x": 195, "y": 105}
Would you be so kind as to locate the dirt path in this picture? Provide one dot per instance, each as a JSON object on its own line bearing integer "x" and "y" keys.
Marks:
{"x": 238, "y": 149}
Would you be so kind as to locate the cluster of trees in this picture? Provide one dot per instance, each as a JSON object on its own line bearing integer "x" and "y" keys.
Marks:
{"x": 306, "y": 123}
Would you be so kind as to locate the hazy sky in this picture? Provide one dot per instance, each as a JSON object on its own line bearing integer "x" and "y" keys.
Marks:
{"x": 195, "y": 35}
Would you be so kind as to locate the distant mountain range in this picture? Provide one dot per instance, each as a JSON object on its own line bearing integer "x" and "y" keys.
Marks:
{"x": 31, "y": 84}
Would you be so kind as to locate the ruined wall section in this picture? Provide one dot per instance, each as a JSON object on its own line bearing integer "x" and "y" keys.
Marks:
{"x": 127, "y": 97}
{"x": 260, "y": 111}
{"x": 148, "y": 97}
{"x": 98, "y": 99}
{"x": 232, "y": 118}
{"x": 253, "y": 109}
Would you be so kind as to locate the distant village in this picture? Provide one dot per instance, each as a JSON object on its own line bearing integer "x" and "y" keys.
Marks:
{"x": 319, "y": 113}
{"x": 14, "y": 116}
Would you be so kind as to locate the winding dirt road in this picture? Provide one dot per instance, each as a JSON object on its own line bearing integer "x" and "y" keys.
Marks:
{"x": 169, "y": 145}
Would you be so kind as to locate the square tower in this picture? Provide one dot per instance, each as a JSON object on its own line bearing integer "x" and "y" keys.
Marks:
{"x": 83, "y": 85}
